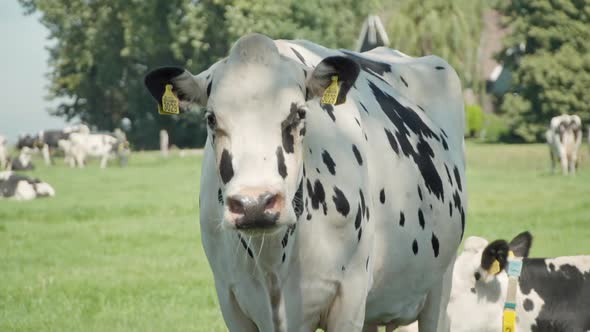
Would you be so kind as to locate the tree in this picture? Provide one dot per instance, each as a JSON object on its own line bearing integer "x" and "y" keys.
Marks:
{"x": 102, "y": 50}
{"x": 449, "y": 29}
{"x": 551, "y": 70}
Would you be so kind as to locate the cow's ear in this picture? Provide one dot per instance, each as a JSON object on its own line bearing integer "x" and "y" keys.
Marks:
{"x": 345, "y": 69}
{"x": 494, "y": 257}
{"x": 521, "y": 244}
{"x": 190, "y": 89}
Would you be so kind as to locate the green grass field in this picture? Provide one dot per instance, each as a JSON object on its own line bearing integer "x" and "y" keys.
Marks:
{"x": 119, "y": 249}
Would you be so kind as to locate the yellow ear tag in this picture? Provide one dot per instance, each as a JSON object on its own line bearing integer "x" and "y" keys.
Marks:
{"x": 331, "y": 93}
{"x": 509, "y": 321}
{"x": 170, "y": 103}
{"x": 495, "y": 268}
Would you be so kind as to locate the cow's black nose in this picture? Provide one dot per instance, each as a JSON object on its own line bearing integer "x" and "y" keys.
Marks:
{"x": 255, "y": 212}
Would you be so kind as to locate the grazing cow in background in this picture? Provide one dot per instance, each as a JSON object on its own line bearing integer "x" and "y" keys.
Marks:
{"x": 23, "y": 188}
{"x": 553, "y": 294}
{"x": 564, "y": 138}
{"x": 340, "y": 217}
{"x": 3, "y": 153}
{"x": 103, "y": 146}
{"x": 49, "y": 140}
{"x": 23, "y": 161}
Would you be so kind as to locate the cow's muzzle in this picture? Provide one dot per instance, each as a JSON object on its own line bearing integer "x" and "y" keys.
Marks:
{"x": 255, "y": 212}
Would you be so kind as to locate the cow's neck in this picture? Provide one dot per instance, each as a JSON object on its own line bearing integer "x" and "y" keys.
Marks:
{"x": 268, "y": 251}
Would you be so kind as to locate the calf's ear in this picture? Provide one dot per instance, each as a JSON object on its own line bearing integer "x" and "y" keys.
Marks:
{"x": 495, "y": 256}
{"x": 521, "y": 244}
{"x": 190, "y": 89}
{"x": 345, "y": 69}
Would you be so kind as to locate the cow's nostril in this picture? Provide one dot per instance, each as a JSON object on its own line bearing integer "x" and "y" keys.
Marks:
{"x": 235, "y": 205}
{"x": 270, "y": 201}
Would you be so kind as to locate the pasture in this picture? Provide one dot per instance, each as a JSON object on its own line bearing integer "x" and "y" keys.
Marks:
{"x": 119, "y": 249}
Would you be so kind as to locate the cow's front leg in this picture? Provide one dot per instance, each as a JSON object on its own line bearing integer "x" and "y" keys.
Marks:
{"x": 234, "y": 317}
{"x": 433, "y": 317}
{"x": 46, "y": 156}
{"x": 103, "y": 161}
{"x": 348, "y": 309}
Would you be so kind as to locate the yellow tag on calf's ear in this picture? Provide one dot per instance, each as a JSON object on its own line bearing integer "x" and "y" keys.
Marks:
{"x": 170, "y": 103}
{"x": 495, "y": 268}
{"x": 509, "y": 321}
{"x": 331, "y": 93}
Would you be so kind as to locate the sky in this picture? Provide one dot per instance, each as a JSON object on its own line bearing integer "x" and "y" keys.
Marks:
{"x": 23, "y": 69}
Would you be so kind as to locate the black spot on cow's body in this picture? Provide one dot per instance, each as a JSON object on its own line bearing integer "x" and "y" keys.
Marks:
{"x": 308, "y": 217}
{"x": 330, "y": 164}
{"x": 220, "y": 196}
{"x": 310, "y": 151}
{"x": 364, "y": 108}
{"x": 317, "y": 195}
{"x": 209, "y": 88}
{"x": 358, "y": 122}
{"x": 439, "y": 67}
{"x": 363, "y": 205}
{"x": 565, "y": 291}
{"x": 226, "y": 170}
{"x": 382, "y": 196}
{"x": 403, "y": 81}
{"x": 405, "y": 120}
{"x": 415, "y": 247}
{"x": 282, "y": 168}
{"x": 375, "y": 68}
{"x": 357, "y": 154}
{"x": 297, "y": 202}
{"x": 420, "y": 193}
{"x": 462, "y": 223}
{"x": 402, "y": 219}
{"x": 551, "y": 267}
{"x": 360, "y": 233}
{"x": 367, "y": 264}
{"x": 450, "y": 209}
{"x": 472, "y": 290}
{"x": 317, "y": 170}
{"x": 444, "y": 143}
{"x": 246, "y": 247}
{"x": 457, "y": 178}
{"x": 392, "y": 141}
{"x": 435, "y": 244}
{"x": 283, "y": 258}
{"x": 449, "y": 175}
{"x": 528, "y": 305}
{"x": 358, "y": 218}
{"x": 285, "y": 239}
{"x": 421, "y": 218}
{"x": 330, "y": 110}
{"x": 299, "y": 56}
{"x": 341, "y": 202}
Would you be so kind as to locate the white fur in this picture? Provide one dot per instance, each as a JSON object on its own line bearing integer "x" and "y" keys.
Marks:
{"x": 564, "y": 148}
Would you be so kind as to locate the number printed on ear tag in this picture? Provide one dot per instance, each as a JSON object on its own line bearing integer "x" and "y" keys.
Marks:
{"x": 331, "y": 93}
{"x": 170, "y": 103}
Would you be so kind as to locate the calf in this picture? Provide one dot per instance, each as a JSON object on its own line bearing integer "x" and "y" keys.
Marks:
{"x": 339, "y": 214}
{"x": 564, "y": 138}
{"x": 23, "y": 161}
{"x": 553, "y": 294}
{"x": 23, "y": 188}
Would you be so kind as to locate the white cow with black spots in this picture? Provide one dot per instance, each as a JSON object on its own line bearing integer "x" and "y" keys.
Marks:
{"x": 335, "y": 217}
{"x": 553, "y": 294}
{"x": 564, "y": 138}
{"x": 23, "y": 188}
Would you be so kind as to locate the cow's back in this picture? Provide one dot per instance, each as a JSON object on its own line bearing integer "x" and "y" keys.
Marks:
{"x": 396, "y": 145}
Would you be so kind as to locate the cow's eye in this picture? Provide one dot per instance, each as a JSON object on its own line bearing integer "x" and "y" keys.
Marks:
{"x": 301, "y": 113}
{"x": 211, "y": 120}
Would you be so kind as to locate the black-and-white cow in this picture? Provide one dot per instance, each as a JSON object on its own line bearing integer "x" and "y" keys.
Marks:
{"x": 3, "y": 153}
{"x": 23, "y": 161}
{"x": 553, "y": 294}
{"x": 23, "y": 188}
{"x": 564, "y": 138}
{"x": 81, "y": 146}
{"x": 319, "y": 216}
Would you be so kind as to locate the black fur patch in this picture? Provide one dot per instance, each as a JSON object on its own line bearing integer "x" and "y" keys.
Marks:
{"x": 421, "y": 218}
{"x": 341, "y": 202}
{"x": 402, "y": 219}
{"x": 281, "y": 163}
{"x": 363, "y": 107}
{"x": 287, "y": 127}
{"x": 357, "y": 154}
{"x": 226, "y": 169}
{"x": 415, "y": 247}
{"x": 330, "y": 110}
{"x": 457, "y": 178}
{"x": 392, "y": 141}
{"x": 317, "y": 195}
{"x": 299, "y": 56}
{"x": 528, "y": 305}
{"x": 330, "y": 164}
{"x": 358, "y": 218}
{"x": 382, "y": 196}
{"x": 374, "y": 68}
{"x": 404, "y": 81}
{"x": 435, "y": 244}
{"x": 245, "y": 245}
{"x": 439, "y": 68}
{"x": 449, "y": 175}
{"x": 420, "y": 192}
{"x": 298, "y": 200}
{"x": 405, "y": 120}
{"x": 220, "y": 196}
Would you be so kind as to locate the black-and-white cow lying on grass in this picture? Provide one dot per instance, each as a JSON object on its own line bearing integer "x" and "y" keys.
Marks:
{"x": 553, "y": 294}
{"x": 335, "y": 217}
{"x": 80, "y": 146}
{"x": 564, "y": 137}
{"x": 23, "y": 188}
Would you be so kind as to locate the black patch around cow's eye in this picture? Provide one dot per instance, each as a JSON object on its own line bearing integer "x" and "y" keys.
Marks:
{"x": 282, "y": 168}
{"x": 296, "y": 115}
{"x": 341, "y": 202}
{"x": 226, "y": 169}
{"x": 211, "y": 120}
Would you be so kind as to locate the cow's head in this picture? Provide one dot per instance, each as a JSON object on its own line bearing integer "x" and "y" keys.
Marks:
{"x": 256, "y": 103}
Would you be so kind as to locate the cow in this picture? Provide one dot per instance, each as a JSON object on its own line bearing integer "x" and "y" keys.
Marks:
{"x": 564, "y": 138}
{"x": 342, "y": 215}
{"x": 23, "y": 161}
{"x": 80, "y": 146}
{"x": 3, "y": 153}
{"x": 23, "y": 188}
{"x": 553, "y": 294}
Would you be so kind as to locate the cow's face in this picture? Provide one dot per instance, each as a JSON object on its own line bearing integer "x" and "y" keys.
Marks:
{"x": 255, "y": 102}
